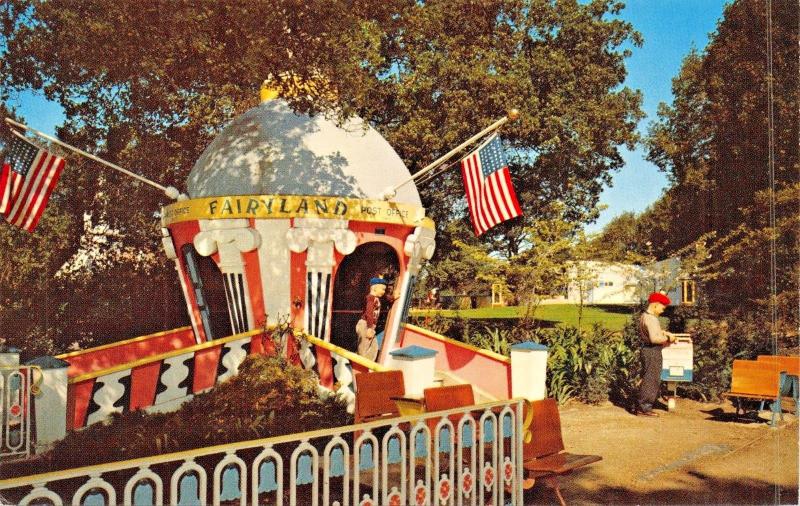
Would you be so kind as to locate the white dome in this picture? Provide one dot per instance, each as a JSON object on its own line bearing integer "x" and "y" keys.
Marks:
{"x": 270, "y": 150}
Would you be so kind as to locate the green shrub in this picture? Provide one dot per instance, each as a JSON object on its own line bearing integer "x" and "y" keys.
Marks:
{"x": 590, "y": 365}
{"x": 595, "y": 364}
{"x": 497, "y": 340}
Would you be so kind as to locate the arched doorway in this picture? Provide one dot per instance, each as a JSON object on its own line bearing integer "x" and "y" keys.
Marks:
{"x": 209, "y": 293}
{"x": 351, "y": 286}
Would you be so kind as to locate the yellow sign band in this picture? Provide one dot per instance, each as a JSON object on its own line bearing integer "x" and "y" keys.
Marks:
{"x": 294, "y": 206}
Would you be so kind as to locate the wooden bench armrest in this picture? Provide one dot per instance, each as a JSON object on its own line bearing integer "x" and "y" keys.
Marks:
{"x": 560, "y": 463}
{"x": 403, "y": 398}
{"x": 384, "y": 416}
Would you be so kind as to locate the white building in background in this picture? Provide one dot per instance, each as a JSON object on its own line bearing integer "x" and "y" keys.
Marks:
{"x": 597, "y": 282}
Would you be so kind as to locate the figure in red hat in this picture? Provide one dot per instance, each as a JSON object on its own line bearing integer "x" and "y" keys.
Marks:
{"x": 653, "y": 339}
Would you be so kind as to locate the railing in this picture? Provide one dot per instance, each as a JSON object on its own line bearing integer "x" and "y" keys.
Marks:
{"x": 129, "y": 350}
{"x": 335, "y": 366}
{"x": 163, "y": 381}
{"x": 461, "y": 456}
{"x": 17, "y": 388}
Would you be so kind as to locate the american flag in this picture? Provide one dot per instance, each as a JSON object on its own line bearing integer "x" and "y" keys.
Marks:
{"x": 487, "y": 182}
{"x": 28, "y": 177}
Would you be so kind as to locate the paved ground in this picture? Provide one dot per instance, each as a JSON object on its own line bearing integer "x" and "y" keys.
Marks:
{"x": 698, "y": 454}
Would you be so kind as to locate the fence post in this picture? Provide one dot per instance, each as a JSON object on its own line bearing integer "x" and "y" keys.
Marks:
{"x": 9, "y": 357}
{"x": 50, "y": 405}
{"x": 528, "y": 370}
{"x": 417, "y": 364}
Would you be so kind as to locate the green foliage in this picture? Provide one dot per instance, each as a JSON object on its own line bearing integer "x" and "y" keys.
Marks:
{"x": 713, "y": 142}
{"x": 267, "y": 398}
{"x": 740, "y": 335}
{"x": 493, "y": 339}
{"x": 559, "y": 385}
{"x": 540, "y": 270}
{"x": 622, "y": 240}
{"x": 713, "y": 360}
{"x": 594, "y": 364}
{"x": 466, "y": 269}
{"x": 590, "y": 365}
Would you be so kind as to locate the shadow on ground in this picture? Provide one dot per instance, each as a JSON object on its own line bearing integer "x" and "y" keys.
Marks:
{"x": 749, "y": 417}
{"x": 692, "y": 487}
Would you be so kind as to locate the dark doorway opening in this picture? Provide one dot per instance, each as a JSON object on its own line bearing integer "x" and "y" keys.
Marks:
{"x": 351, "y": 287}
{"x": 209, "y": 291}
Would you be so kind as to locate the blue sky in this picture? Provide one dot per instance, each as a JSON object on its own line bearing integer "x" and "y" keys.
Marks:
{"x": 670, "y": 28}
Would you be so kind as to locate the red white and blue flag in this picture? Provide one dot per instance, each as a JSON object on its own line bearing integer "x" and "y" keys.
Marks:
{"x": 28, "y": 177}
{"x": 487, "y": 182}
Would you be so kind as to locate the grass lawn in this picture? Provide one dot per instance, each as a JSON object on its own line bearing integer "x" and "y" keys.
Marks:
{"x": 612, "y": 318}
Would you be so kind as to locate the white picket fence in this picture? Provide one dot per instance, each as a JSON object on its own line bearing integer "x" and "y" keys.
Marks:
{"x": 467, "y": 456}
{"x": 16, "y": 387}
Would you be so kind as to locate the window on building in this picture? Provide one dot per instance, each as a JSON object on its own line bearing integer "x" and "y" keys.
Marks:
{"x": 689, "y": 289}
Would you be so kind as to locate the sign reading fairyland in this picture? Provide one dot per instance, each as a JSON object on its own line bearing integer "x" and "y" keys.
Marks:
{"x": 295, "y": 206}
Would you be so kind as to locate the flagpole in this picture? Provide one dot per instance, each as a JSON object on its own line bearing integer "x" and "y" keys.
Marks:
{"x": 434, "y": 175}
{"x": 512, "y": 115}
{"x": 169, "y": 191}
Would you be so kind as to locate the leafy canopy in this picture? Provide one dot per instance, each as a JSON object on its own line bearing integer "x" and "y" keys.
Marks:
{"x": 148, "y": 84}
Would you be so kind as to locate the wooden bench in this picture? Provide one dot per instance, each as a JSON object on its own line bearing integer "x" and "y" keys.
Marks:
{"x": 448, "y": 397}
{"x": 759, "y": 381}
{"x": 376, "y": 393}
{"x": 544, "y": 456}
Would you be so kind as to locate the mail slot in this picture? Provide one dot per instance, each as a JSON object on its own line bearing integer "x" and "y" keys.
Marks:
{"x": 678, "y": 359}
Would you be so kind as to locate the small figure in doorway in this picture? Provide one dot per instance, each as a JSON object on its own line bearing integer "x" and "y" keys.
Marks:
{"x": 365, "y": 328}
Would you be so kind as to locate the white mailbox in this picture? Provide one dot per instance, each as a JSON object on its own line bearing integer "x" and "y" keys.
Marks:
{"x": 678, "y": 360}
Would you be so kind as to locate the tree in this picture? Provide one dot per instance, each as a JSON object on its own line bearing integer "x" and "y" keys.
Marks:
{"x": 468, "y": 268}
{"x": 147, "y": 85}
{"x": 561, "y": 63}
{"x": 622, "y": 240}
{"x": 713, "y": 142}
{"x": 152, "y": 83}
{"x": 29, "y": 297}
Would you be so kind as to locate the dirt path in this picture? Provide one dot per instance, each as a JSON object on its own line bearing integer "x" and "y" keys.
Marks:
{"x": 697, "y": 454}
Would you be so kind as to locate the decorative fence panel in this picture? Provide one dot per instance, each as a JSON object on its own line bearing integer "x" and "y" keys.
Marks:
{"x": 466, "y": 456}
{"x": 16, "y": 396}
{"x": 163, "y": 381}
{"x": 129, "y": 350}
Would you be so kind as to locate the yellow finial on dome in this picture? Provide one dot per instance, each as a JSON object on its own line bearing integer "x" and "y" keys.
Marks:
{"x": 295, "y": 86}
{"x": 267, "y": 92}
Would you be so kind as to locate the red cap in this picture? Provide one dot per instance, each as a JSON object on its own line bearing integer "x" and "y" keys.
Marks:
{"x": 659, "y": 297}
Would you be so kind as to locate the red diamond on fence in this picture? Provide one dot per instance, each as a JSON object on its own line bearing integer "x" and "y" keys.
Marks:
{"x": 508, "y": 471}
{"x": 466, "y": 483}
{"x": 488, "y": 476}
{"x": 15, "y": 410}
{"x": 444, "y": 489}
{"x": 421, "y": 494}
